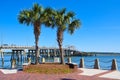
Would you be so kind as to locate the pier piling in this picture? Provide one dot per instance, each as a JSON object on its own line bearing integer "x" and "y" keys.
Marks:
{"x": 2, "y": 58}
{"x": 69, "y": 60}
{"x": 43, "y": 60}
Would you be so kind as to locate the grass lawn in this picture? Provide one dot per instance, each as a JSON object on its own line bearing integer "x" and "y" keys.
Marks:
{"x": 48, "y": 69}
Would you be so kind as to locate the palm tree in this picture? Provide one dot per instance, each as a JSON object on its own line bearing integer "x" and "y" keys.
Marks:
{"x": 63, "y": 21}
{"x": 36, "y": 16}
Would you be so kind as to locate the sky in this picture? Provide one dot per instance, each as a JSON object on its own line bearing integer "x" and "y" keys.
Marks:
{"x": 99, "y": 31}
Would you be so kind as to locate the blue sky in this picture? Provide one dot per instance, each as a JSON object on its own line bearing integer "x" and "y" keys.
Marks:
{"x": 100, "y": 29}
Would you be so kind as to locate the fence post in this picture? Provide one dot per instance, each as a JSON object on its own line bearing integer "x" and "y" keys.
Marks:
{"x": 82, "y": 63}
{"x": 96, "y": 65}
{"x": 114, "y": 65}
{"x": 13, "y": 63}
{"x": 69, "y": 60}
{"x": 29, "y": 60}
{"x": 43, "y": 60}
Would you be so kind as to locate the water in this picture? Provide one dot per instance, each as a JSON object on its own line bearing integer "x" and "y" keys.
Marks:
{"x": 7, "y": 62}
{"x": 105, "y": 62}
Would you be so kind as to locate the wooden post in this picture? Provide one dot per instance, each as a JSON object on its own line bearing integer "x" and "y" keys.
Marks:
{"x": 17, "y": 53}
{"x": 28, "y": 53}
{"x": 43, "y": 60}
{"x": 32, "y": 55}
{"x": 2, "y": 57}
{"x": 48, "y": 54}
{"x": 114, "y": 65}
{"x": 69, "y": 60}
{"x": 29, "y": 60}
{"x": 21, "y": 56}
{"x": 2, "y": 62}
{"x": 96, "y": 65}
{"x": 82, "y": 63}
{"x": 54, "y": 52}
{"x": 13, "y": 63}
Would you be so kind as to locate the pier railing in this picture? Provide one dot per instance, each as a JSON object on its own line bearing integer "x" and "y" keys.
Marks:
{"x": 100, "y": 64}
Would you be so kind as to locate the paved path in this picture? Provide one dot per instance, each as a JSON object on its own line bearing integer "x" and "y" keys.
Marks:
{"x": 114, "y": 75}
{"x": 81, "y": 74}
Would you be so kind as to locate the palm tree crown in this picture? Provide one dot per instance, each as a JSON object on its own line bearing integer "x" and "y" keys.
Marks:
{"x": 65, "y": 21}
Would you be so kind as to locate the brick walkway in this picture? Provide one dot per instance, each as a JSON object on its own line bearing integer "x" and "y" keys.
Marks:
{"x": 29, "y": 76}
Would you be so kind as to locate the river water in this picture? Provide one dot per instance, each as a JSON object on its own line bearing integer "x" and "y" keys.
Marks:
{"x": 105, "y": 62}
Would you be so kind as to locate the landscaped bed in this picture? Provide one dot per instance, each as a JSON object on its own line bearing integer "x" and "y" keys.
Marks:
{"x": 48, "y": 69}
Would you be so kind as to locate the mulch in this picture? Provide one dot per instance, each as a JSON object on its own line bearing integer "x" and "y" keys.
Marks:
{"x": 20, "y": 75}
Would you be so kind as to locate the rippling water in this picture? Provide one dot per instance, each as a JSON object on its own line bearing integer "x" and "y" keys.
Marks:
{"x": 105, "y": 62}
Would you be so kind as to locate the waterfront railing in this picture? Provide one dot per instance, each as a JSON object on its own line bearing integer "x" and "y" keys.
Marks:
{"x": 84, "y": 63}
{"x": 96, "y": 64}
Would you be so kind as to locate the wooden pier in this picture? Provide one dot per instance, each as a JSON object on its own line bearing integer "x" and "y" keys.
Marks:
{"x": 47, "y": 51}
{"x": 22, "y": 54}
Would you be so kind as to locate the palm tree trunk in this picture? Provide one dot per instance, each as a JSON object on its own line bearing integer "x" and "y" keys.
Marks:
{"x": 60, "y": 39}
{"x": 36, "y": 33}
{"x": 37, "y": 51}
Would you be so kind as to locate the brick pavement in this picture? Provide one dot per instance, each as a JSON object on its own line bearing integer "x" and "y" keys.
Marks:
{"x": 20, "y": 75}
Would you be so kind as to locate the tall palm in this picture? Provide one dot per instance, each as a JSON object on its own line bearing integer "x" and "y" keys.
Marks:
{"x": 64, "y": 20}
{"x": 35, "y": 16}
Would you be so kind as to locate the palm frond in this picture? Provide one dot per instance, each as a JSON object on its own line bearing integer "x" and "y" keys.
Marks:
{"x": 71, "y": 14}
{"x": 62, "y": 11}
{"x": 36, "y": 8}
{"x": 24, "y": 17}
{"x": 49, "y": 17}
{"x": 74, "y": 25}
